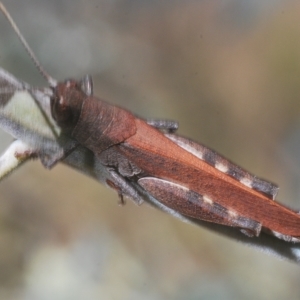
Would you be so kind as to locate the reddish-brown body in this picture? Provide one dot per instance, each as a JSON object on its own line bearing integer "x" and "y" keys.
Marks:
{"x": 138, "y": 156}
{"x": 101, "y": 127}
{"x": 173, "y": 163}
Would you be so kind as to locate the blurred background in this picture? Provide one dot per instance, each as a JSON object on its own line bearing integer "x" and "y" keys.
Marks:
{"x": 228, "y": 71}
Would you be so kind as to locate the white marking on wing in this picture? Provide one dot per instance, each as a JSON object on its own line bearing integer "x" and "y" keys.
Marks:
{"x": 246, "y": 181}
{"x": 207, "y": 200}
{"x": 192, "y": 150}
{"x": 221, "y": 167}
{"x": 158, "y": 180}
{"x": 187, "y": 147}
{"x": 232, "y": 213}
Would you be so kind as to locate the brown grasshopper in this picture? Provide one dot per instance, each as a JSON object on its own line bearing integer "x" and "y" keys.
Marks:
{"x": 148, "y": 157}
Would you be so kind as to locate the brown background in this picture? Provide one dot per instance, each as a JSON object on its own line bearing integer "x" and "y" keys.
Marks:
{"x": 228, "y": 71}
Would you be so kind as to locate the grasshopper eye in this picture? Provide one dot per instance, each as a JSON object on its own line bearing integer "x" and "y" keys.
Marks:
{"x": 66, "y": 104}
{"x": 60, "y": 111}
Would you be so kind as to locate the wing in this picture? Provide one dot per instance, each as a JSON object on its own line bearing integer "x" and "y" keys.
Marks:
{"x": 193, "y": 205}
{"x": 224, "y": 165}
{"x": 161, "y": 158}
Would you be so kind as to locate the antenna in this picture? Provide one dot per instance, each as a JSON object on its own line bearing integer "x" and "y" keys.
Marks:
{"x": 52, "y": 82}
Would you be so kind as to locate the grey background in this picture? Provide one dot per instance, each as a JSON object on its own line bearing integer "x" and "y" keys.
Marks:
{"x": 228, "y": 71}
